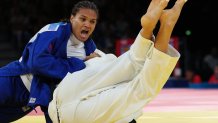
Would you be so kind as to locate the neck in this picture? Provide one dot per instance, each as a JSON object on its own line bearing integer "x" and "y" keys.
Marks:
{"x": 74, "y": 40}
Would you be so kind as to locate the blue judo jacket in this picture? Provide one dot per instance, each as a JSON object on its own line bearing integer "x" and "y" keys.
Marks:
{"x": 45, "y": 57}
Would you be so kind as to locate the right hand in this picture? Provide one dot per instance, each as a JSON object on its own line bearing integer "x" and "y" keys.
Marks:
{"x": 92, "y": 55}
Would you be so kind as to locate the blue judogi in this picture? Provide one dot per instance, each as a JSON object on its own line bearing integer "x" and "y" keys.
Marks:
{"x": 45, "y": 57}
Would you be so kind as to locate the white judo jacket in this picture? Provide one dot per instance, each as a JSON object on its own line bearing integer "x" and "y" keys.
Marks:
{"x": 111, "y": 89}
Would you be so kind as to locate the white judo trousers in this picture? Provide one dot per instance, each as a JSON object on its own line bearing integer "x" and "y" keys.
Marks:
{"x": 111, "y": 89}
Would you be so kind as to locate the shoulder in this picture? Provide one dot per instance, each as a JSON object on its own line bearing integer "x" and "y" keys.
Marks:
{"x": 53, "y": 27}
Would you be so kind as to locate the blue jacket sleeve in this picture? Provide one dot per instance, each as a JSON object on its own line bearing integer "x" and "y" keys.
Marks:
{"x": 42, "y": 58}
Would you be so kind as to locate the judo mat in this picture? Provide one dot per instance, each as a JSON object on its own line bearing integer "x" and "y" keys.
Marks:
{"x": 180, "y": 105}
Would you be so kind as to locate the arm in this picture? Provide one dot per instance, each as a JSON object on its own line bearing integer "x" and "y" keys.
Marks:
{"x": 40, "y": 57}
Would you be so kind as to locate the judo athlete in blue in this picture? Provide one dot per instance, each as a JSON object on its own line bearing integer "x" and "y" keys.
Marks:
{"x": 55, "y": 50}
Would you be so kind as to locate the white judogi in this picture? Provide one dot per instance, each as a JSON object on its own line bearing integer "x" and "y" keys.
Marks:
{"x": 112, "y": 89}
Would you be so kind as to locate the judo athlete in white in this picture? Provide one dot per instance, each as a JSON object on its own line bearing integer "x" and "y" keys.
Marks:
{"x": 115, "y": 90}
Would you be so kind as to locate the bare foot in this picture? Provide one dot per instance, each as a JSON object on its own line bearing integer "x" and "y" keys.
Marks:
{"x": 169, "y": 17}
{"x": 150, "y": 19}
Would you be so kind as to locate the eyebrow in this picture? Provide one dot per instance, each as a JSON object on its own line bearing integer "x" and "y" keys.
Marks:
{"x": 87, "y": 17}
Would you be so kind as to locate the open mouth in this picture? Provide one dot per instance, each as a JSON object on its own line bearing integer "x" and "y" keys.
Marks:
{"x": 84, "y": 34}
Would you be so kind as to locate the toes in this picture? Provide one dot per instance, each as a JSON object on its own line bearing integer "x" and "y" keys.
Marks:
{"x": 164, "y": 3}
{"x": 179, "y": 4}
{"x": 158, "y": 4}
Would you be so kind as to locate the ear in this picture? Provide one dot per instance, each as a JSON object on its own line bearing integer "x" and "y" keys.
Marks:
{"x": 71, "y": 18}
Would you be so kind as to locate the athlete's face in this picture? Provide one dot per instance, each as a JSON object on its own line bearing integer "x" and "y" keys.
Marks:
{"x": 83, "y": 23}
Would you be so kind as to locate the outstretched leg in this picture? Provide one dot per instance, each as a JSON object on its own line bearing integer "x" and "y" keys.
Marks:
{"x": 157, "y": 69}
{"x": 168, "y": 20}
{"x": 141, "y": 48}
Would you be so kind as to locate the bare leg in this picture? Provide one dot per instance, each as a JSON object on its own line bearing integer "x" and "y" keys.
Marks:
{"x": 168, "y": 20}
{"x": 150, "y": 19}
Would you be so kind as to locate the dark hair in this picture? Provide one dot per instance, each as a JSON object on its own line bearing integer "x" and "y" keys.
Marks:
{"x": 86, "y": 5}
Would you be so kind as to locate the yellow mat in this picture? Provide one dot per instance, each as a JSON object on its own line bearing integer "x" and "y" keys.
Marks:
{"x": 31, "y": 119}
{"x": 180, "y": 106}
{"x": 155, "y": 117}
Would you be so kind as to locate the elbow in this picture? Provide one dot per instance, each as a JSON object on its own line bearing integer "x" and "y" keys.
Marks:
{"x": 37, "y": 64}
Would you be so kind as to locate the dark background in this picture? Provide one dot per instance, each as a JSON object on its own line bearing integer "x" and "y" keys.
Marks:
{"x": 21, "y": 19}
{"x": 198, "y": 16}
